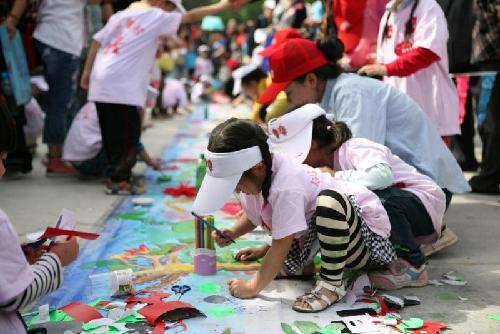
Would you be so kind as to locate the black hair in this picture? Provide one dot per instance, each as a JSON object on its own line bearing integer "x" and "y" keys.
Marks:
{"x": 256, "y": 75}
{"x": 409, "y": 28}
{"x": 7, "y": 130}
{"x": 332, "y": 49}
{"x": 327, "y": 133}
{"x": 237, "y": 134}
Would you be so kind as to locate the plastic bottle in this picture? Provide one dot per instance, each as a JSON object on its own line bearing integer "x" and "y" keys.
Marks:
{"x": 6, "y": 84}
{"x": 201, "y": 169}
{"x": 110, "y": 284}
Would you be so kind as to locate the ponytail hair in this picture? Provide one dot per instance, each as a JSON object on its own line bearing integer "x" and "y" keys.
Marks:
{"x": 409, "y": 28}
{"x": 332, "y": 49}
{"x": 237, "y": 134}
{"x": 7, "y": 129}
{"x": 330, "y": 134}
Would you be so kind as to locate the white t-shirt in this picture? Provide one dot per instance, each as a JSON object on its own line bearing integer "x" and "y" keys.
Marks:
{"x": 362, "y": 154}
{"x": 203, "y": 66}
{"x": 83, "y": 141}
{"x": 15, "y": 276}
{"x": 292, "y": 200}
{"x": 431, "y": 87}
{"x": 124, "y": 61}
{"x": 174, "y": 93}
{"x": 60, "y": 25}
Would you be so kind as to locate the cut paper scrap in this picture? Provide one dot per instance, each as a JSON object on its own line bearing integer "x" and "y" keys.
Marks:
{"x": 81, "y": 312}
{"x": 357, "y": 289}
{"x": 171, "y": 311}
{"x": 163, "y": 178}
{"x": 51, "y": 232}
{"x": 154, "y": 298}
{"x": 410, "y": 325}
{"x": 451, "y": 278}
{"x": 430, "y": 328}
{"x": 360, "y": 324}
{"x": 181, "y": 190}
{"x": 493, "y": 316}
{"x": 135, "y": 215}
{"x": 232, "y": 208}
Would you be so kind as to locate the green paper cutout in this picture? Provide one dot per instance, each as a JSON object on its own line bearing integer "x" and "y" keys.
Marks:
{"x": 403, "y": 329}
{"x": 135, "y": 215}
{"x": 58, "y": 315}
{"x": 413, "y": 323}
{"x": 493, "y": 316}
{"x": 287, "y": 329}
{"x": 91, "y": 327}
{"x": 209, "y": 288}
{"x": 307, "y": 327}
{"x": 227, "y": 331}
{"x": 131, "y": 318}
{"x": 336, "y": 327}
{"x": 221, "y": 311}
{"x": 164, "y": 178}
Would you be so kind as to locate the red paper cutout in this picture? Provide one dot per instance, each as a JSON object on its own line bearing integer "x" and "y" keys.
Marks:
{"x": 81, "y": 312}
{"x": 159, "y": 328}
{"x": 430, "y": 328}
{"x": 51, "y": 232}
{"x": 232, "y": 208}
{"x": 182, "y": 189}
{"x": 154, "y": 298}
{"x": 154, "y": 311}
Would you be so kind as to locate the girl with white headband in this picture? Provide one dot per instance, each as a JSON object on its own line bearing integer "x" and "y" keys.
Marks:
{"x": 414, "y": 202}
{"x": 303, "y": 209}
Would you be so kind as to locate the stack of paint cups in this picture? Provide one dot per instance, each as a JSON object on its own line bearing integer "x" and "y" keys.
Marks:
{"x": 204, "y": 256}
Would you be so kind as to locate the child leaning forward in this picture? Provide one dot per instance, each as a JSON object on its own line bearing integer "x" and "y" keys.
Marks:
{"x": 304, "y": 210}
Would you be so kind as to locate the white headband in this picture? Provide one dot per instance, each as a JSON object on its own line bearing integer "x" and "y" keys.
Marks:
{"x": 222, "y": 165}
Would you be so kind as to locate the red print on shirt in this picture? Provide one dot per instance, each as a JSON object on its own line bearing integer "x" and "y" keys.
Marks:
{"x": 127, "y": 27}
{"x": 314, "y": 178}
{"x": 280, "y": 130}
{"x": 403, "y": 47}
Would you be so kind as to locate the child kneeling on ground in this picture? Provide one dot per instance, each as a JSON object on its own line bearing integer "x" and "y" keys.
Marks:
{"x": 303, "y": 209}
{"x": 414, "y": 202}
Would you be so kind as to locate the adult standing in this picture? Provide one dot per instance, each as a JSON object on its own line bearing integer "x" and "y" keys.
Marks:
{"x": 308, "y": 72}
{"x": 59, "y": 38}
{"x": 486, "y": 54}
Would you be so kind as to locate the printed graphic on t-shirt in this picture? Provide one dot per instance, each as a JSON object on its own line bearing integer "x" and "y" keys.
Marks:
{"x": 127, "y": 27}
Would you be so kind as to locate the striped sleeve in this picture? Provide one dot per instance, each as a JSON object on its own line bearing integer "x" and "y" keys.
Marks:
{"x": 48, "y": 276}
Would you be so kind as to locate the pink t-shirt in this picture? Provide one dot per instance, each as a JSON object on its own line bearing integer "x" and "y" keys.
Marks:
{"x": 362, "y": 154}
{"x": 174, "y": 93}
{"x": 83, "y": 141}
{"x": 431, "y": 87}
{"x": 292, "y": 200}
{"x": 15, "y": 274}
{"x": 129, "y": 42}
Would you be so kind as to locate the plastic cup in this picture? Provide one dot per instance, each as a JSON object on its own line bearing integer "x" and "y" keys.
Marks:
{"x": 110, "y": 284}
{"x": 205, "y": 261}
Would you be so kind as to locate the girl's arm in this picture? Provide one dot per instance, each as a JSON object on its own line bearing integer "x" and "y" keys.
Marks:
{"x": 14, "y": 16}
{"x": 84, "y": 82}
{"x": 374, "y": 178}
{"x": 242, "y": 227}
{"x": 48, "y": 276}
{"x": 273, "y": 262}
{"x": 197, "y": 14}
{"x": 405, "y": 65}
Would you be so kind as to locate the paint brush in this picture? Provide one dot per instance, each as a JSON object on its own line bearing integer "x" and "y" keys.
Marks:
{"x": 212, "y": 226}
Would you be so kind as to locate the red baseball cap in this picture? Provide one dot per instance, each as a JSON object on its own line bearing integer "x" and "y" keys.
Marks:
{"x": 292, "y": 59}
{"x": 279, "y": 37}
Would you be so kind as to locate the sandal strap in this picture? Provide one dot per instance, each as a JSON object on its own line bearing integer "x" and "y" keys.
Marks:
{"x": 339, "y": 290}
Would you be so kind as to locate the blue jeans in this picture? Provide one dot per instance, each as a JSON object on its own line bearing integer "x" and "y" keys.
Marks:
{"x": 409, "y": 219}
{"x": 61, "y": 72}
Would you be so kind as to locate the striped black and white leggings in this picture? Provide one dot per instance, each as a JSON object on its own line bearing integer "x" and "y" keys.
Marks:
{"x": 340, "y": 239}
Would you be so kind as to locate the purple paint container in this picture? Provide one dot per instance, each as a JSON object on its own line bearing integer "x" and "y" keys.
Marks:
{"x": 205, "y": 261}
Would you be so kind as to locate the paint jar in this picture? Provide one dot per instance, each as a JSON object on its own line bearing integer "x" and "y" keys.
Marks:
{"x": 110, "y": 284}
{"x": 205, "y": 261}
